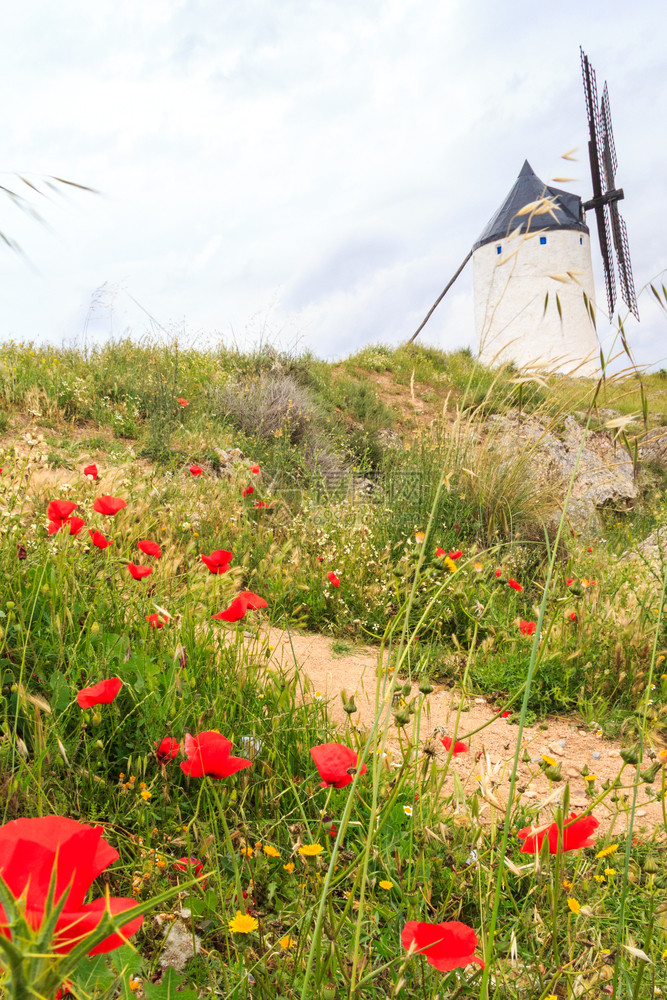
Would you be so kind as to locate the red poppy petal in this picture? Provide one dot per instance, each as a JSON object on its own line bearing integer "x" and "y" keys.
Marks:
{"x": 109, "y": 505}
{"x": 73, "y": 926}
{"x": 100, "y": 694}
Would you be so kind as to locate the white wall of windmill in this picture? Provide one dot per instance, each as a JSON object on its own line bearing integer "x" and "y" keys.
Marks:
{"x": 510, "y": 290}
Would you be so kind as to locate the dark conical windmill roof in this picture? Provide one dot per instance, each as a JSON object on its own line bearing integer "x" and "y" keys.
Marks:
{"x": 528, "y": 188}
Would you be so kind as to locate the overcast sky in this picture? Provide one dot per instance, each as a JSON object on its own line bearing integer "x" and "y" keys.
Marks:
{"x": 309, "y": 172}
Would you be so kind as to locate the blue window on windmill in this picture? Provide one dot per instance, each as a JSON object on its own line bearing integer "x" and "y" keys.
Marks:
{"x": 499, "y": 249}
{"x": 543, "y": 240}
{"x": 581, "y": 241}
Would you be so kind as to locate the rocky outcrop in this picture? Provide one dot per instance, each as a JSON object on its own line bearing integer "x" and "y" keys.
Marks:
{"x": 602, "y": 469}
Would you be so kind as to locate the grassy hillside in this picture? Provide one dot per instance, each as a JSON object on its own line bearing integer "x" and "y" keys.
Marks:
{"x": 373, "y": 500}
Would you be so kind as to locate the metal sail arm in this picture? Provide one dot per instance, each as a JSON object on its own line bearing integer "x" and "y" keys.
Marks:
{"x": 439, "y": 298}
{"x": 599, "y": 199}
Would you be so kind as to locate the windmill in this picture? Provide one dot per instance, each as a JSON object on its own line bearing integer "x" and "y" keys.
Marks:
{"x": 533, "y": 284}
{"x": 604, "y": 164}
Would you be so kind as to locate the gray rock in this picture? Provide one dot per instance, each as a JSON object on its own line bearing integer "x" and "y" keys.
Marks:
{"x": 604, "y": 471}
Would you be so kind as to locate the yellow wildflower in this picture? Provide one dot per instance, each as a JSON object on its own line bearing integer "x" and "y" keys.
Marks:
{"x": 146, "y": 795}
{"x": 574, "y": 904}
{"x": 419, "y": 537}
{"x": 606, "y": 851}
{"x": 566, "y": 884}
{"x": 271, "y": 852}
{"x": 247, "y": 851}
{"x": 590, "y": 777}
{"x": 142, "y": 785}
{"x": 600, "y": 879}
{"x": 289, "y": 867}
{"x": 609, "y": 872}
{"x": 243, "y": 923}
{"x": 549, "y": 760}
{"x": 287, "y": 942}
{"x": 450, "y": 564}
{"x": 134, "y": 983}
{"x": 386, "y": 884}
{"x": 310, "y": 850}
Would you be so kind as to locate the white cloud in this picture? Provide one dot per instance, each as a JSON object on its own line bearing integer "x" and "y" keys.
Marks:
{"x": 328, "y": 162}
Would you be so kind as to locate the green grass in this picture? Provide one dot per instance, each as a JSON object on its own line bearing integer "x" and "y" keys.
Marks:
{"x": 71, "y": 615}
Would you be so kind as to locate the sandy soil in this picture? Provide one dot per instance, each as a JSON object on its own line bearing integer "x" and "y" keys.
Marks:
{"x": 488, "y": 763}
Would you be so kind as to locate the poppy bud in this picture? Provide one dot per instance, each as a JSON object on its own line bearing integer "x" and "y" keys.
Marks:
{"x": 630, "y": 756}
{"x": 97, "y": 719}
{"x": 407, "y": 689}
{"x": 554, "y": 773}
{"x": 94, "y": 628}
{"x": 329, "y": 992}
{"x": 401, "y": 718}
{"x": 425, "y": 686}
{"x": 349, "y": 707}
{"x": 651, "y": 866}
{"x": 649, "y": 775}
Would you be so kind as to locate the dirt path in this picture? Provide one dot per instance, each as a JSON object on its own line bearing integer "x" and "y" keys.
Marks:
{"x": 567, "y": 740}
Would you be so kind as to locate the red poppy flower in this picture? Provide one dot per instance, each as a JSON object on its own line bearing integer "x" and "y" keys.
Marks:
{"x": 109, "y": 505}
{"x": 75, "y": 524}
{"x": 98, "y": 539}
{"x": 572, "y": 616}
{"x": 167, "y": 749}
{"x": 59, "y": 510}
{"x": 156, "y": 621}
{"x": 439, "y": 553}
{"x": 181, "y": 401}
{"x": 569, "y": 581}
{"x": 196, "y": 470}
{"x": 253, "y": 468}
{"x": 445, "y": 946}
{"x": 91, "y": 470}
{"x": 333, "y": 579}
{"x": 497, "y": 573}
{"x": 259, "y": 504}
{"x": 514, "y": 585}
{"x": 336, "y": 764}
{"x": 30, "y": 850}
{"x": 527, "y": 628}
{"x": 577, "y": 831}
{"x": 191, "y": 865}
{"x": 99, "y": 694}
{"x": 248, "y": 490}
{"x": 150, "y": 548}
{"x": 245, "y": 601}
{"x": 218, "y": 561}
{"x": 209, "y": 754}
{"x": 455, "y": 555}
{"x": 459, "y": 747}
{"x": 503, "y": 715}
{"x": 320, "y": 558}
{"x": 590, "y": 549}
{"x": 138, "y": 572}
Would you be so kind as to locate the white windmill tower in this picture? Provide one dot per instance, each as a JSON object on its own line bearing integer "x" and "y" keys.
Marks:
{"x": 534, "y": 296}
{"x": 533, "y": 281}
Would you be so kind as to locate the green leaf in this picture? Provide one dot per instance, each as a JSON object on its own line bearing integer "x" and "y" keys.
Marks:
{"x": 172, "y": 987}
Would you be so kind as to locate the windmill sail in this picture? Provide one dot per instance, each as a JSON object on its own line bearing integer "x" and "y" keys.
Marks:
{"x": 604, "y": 163}
{"x": 618, "y": 228}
